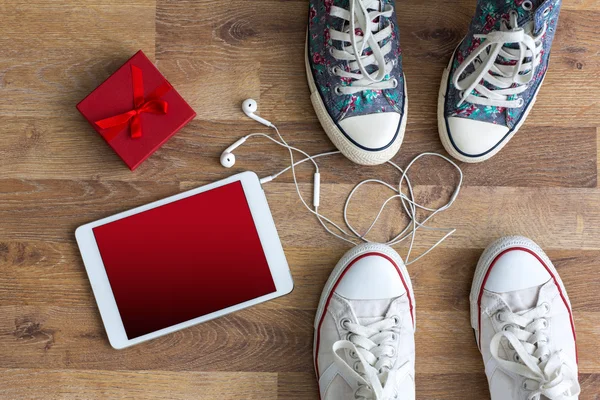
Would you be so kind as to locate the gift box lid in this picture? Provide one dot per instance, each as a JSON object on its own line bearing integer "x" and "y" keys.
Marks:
{"x": 162, "y": 114}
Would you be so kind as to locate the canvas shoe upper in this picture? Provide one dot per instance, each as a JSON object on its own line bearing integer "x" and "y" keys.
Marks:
{"x": 493, "y": 78}
{"x": 523, "y": 323}
{"x": 364, "y": 328}
{"x": 354, "y": 70}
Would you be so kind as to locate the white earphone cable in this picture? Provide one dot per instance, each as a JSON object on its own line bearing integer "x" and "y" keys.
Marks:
{"x": 409, "y": 205}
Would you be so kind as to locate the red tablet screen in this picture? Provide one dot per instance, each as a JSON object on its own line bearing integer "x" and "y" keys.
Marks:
{"x": 184, "y": 260}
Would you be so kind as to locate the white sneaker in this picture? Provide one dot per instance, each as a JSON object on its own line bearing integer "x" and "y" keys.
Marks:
{"x": 364, "y": 329}
{"x": 523, "y": 323}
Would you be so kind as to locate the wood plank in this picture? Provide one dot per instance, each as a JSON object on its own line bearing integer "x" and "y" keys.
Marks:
{"x": 99, "y": 384}
{"x": 556, "y": 218}
{"x": 582, "y": 5}
{"x": 44, "y": 149}
{"x": 42, "y": 75}
{"x": 55, "y": 337}
{"x": 259, "y": 339}
{"x": 39, "y": 273}
{"x": 430, "y": 386}
{"x": 94, "y": 384}
{"x": 56, "y": 211}
{"x": 297, "y": 386}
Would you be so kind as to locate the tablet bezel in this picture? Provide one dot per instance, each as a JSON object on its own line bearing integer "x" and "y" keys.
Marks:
{"x": 269, "y": 239}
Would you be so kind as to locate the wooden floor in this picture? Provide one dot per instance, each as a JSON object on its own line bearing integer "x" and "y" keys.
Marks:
{"x": 57, "y": 173}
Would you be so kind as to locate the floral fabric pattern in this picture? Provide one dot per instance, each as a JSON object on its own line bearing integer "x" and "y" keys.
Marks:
{"x": 322, "y": 62}
{"x": 488, "y": 17}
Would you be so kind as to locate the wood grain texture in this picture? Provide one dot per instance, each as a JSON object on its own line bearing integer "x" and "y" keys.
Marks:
{"x": 57, "y": 173}
{"x": 44, "y": 384}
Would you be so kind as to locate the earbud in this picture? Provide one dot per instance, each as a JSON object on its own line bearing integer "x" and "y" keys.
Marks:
{"x": 227, "y": 157}
{"x": 249, "y": 107}
{"x": 227, "y": 160}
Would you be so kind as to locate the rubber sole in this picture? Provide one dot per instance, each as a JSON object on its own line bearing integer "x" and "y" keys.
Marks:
{"x": 339, "y": 140}
{"x": 485, "y": 261}
{"x": 443, "y": 131}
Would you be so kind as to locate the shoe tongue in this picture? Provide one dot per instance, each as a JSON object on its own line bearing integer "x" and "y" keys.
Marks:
{"x": 522, "y": 300}
{"x": 370, "y": 311}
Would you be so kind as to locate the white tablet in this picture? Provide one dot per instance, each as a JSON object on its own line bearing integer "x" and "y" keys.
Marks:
{"x": 184, "y": 260}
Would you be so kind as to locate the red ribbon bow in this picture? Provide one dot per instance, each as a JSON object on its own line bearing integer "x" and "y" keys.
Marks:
{"x": 153, "y": 104}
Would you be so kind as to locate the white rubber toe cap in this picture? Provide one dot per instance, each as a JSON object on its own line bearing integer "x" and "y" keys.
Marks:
{"x": 371, "y": 278}
{"x": 474, "y": 137}
{"x": 373, "y": 131}
{"x": 516, "y": 270}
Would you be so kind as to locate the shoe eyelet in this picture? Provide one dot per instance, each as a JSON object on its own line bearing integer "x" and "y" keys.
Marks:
{"x": 546, "y": 12}
{"x": 394, "y": 336}
{"x": 517, "y": 358}
{"x": 507, "y": 327}
{"x": 331, "y": 51}
{"x": 499, "y": 317}
{"x": 344, "y": 323}
{"x": 395, "y": 82}
{"x": 335, "y": 71}
{"x": 510, "y": 346}
{"x": 513, "y": 13}
{"x": 546, "y": 307}
{"x": 355, "y": 366}
{"x": 353, "y": 354}
{"x": 527, "y": 5}
{"x": 397, "y": 320}
{"x": 521, "y": 102}
{"x": 337, "y": 91}
{"x": 393, "y": 352}
{"x": 545, "y": 323}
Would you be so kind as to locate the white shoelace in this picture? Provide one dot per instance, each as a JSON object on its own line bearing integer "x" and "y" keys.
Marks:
{"x": 360, "y": 17}
{"x": 534, "y": 360}
{"x": 372, "y": 346}
{"x": 509, "y": 80}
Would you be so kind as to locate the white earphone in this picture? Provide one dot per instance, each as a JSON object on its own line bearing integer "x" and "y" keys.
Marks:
{"x": 249, "y": 107}
{"x": 409, "y": 205}
{"x": 227, "y": 158}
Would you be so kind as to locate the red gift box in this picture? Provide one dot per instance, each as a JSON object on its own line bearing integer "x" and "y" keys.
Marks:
{"x": 136, "y": 110}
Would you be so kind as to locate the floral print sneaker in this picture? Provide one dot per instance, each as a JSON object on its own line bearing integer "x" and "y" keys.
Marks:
{"x": 494, "y": 76}
{"x": 354, "y": 69}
